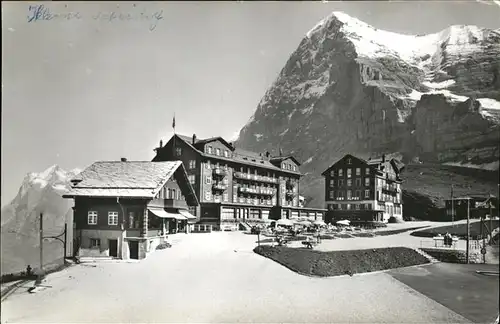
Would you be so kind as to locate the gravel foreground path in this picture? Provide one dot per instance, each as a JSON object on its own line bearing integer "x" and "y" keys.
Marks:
{"x": 215, "y": 278}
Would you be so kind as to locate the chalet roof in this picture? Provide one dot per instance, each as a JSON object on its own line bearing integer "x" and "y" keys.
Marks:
{"x": 389, "y": 162}
{"x": 282, "y": 158}
{"x": 239, "y": 155}
{"x": 132, "y": 179}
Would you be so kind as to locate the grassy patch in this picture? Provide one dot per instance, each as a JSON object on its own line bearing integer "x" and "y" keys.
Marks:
{"x": 459, "y": 230}
{"x": 335, "y": 263}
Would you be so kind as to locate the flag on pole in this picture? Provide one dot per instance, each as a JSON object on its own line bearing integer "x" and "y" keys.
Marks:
{"x": 173, "y": 122}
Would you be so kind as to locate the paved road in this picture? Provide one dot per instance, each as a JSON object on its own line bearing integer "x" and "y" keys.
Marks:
{"x": 458, "y": 287}
{"x": 217, "y": 278}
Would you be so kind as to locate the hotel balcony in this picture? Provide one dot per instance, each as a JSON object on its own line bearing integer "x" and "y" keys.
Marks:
{"x": 254, "y": 177}
{"x": 290, "y": 193}
{"x": 219, "y": 187}
{"x": 167, "y": 203}
{"x": 219, "y": 172}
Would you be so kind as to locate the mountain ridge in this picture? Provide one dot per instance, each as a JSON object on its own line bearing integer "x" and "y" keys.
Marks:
{"x": 349, "y": 88}
{"x": 38, "y": 193}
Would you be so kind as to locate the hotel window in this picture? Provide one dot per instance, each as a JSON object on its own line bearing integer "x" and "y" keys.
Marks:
{"x": 209, "y": 149}
{"x": 331, "y": 183}
{"x": 367, "y": 171}
{"x": 341, "y": 172}
{"x": 226, "y": 153}
{"x": 207, "y": 165}
{"x": 349, "y": 194}
{"x": 192, "y": 164}
{"x": 192, "y": 178}
{"x": 368, "y": 206}
{"x": 92, "y": 218}
{"x": 367, "y": 182}
{"x": 358, "y": 194}
{"x": 131, "y": 219}
{"x": 355, "y": 206}
{"x": 95, "y": 243}
{"x": 178, "y": 151}
{"x": 341, "y": 182}
{"x": 358, "y": 171}
{"x": 340, "y": 195}
{"x": 348, "y": 206}
{"x": 226, "y": 196}
{"x": 358, "y": 182}
{"x": 175, "y": 194}
{"x": 208, "y": 180}
{"x": 349, "y": 182}
{"x": 349, "y": 173}
{"x": 217, "y": 151}
{"x": 367, "y": 193}
{"x": 208, "y": 195}
{"x": 331, "y": 194}
{"x": 332, "y": 173}
{"x": 112, "y": 218}
{"x": 225, "y": 181}
{"x": 349, "y": 161}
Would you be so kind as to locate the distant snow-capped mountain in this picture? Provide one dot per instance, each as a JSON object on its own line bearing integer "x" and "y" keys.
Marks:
{"x": 353, "y": 88}
{"x": 38, "y": 193}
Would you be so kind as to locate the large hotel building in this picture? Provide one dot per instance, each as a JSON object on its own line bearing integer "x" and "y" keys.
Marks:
{"x": 235, "y": 186}
{"x": 363, "y": 190}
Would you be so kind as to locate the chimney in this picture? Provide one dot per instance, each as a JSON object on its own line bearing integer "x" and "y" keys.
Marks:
{"x": 194, "y": 138}
{"x": 267, "y": 154}
{"x": 383, "y": 158}
{"x": 123, "y": 159}
{"x": 161, "y": 144}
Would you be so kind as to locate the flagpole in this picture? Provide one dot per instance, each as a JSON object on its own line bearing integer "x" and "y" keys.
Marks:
{"x": 173, "y": 146}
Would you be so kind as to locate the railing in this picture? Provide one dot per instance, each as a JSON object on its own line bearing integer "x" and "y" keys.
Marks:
{"x": 167, "y": 203}
{"x": 254, "y": 177}
{"x": 218, "y": 186}
{"x": 290, "y": 193}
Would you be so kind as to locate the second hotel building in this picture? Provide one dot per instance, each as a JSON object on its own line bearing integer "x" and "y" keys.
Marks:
{"x": 235, "y": 186}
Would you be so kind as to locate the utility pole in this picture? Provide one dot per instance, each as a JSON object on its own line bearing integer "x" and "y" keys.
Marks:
{"x": 452, "y": 210}
{"x": 468, "y": 230}
{"x": 41, "y": 241}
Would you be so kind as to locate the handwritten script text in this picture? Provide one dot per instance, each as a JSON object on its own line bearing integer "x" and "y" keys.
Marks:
{"x": 42, "y": 13}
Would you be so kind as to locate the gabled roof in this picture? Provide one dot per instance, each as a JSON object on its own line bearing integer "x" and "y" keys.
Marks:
{"x": 239, "y": 155}
{"x": 341, "y": 159}
{"x": 283, "y": 158}
{"x": 132, "y": 179}
{"x": 212, "y": 139}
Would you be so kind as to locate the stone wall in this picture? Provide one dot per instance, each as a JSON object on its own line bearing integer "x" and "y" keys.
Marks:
{"x": 454, "y": 256}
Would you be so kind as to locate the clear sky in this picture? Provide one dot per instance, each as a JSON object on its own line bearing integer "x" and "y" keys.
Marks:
{"x": 85, "y": 89}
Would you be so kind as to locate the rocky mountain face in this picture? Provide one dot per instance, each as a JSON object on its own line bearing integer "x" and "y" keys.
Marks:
{"x": 351, "y": 88}
{"x": 39, "y": 193}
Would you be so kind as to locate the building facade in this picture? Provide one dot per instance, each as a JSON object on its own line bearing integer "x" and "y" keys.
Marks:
{"x": 479, "y": 206}
{"x": 125, "y": 209}
{"x": 235, "y": 186}
{"x": 363, "y": 190}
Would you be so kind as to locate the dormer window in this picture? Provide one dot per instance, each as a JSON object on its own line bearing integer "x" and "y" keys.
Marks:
{"x": 217, "y": 151}
{"x": 226, "y": 153}
{"x": 178, "y": 151}
{"x": 209, "y": 149}
{"x": 349, "y": 161}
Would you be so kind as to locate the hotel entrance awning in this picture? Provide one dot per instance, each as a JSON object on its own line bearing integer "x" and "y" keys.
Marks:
{"x": 164, "y": 214}
{"x": 186, "y": 214}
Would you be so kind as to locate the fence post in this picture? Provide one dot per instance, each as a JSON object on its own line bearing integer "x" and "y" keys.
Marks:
{"x": 65, "y": 242}
{"x": 41, "y": 242}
